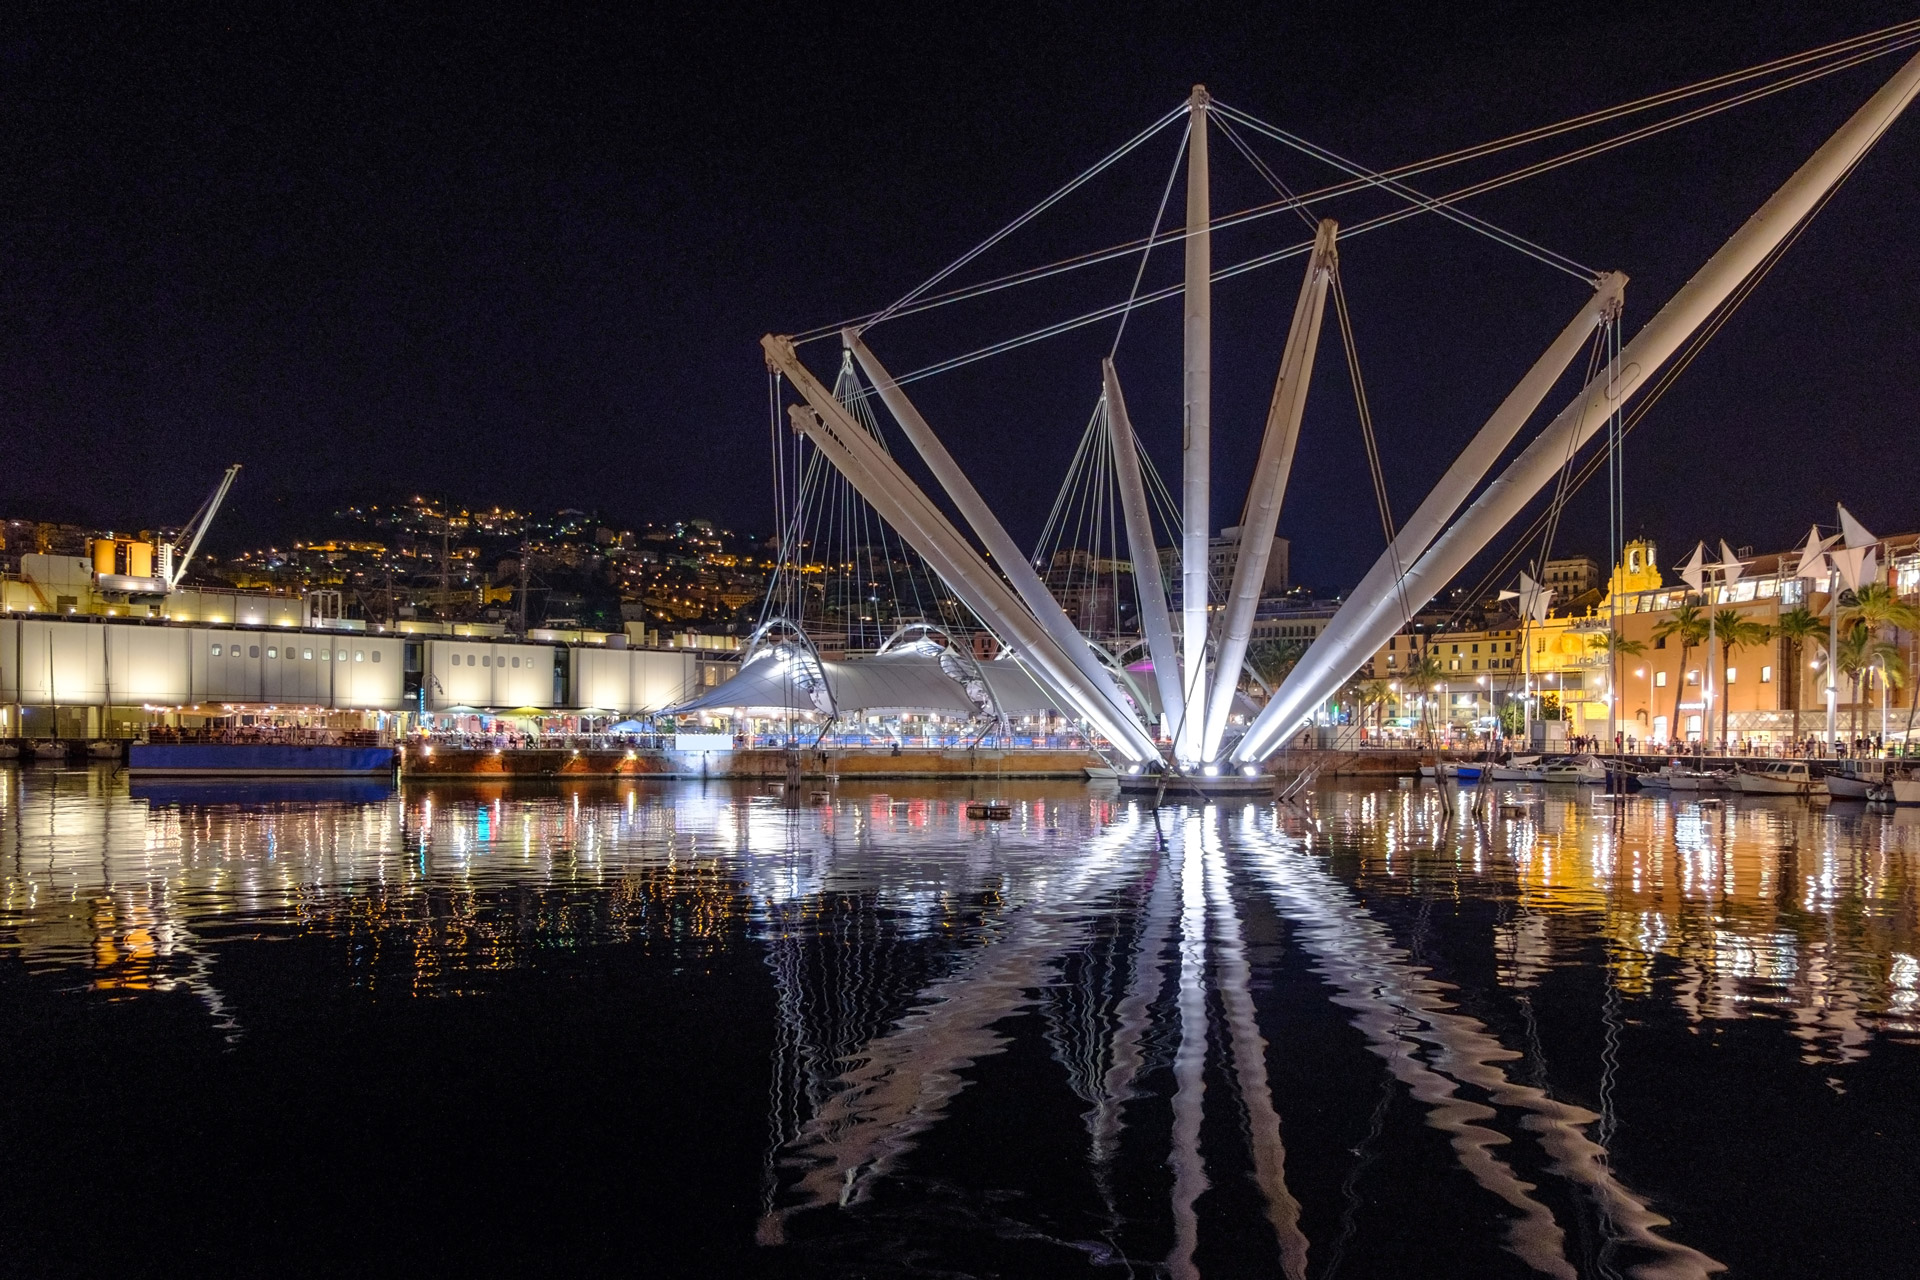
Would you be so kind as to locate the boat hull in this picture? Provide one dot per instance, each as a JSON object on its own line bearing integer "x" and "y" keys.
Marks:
{"x": 264, "y": 760}
{"x": 1841, "y": 787}
{"x": 1757, "y": 786}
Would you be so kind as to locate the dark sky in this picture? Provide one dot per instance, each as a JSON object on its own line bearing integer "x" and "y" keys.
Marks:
{"x": 524, "y": 255}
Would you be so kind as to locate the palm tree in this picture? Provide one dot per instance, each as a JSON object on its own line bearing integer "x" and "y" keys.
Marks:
{"x": 1420, "y": 676}
{"x": 1880, "y": 608}
{"x": 1616, "y": 647}
{"x": 1860, "y": 652}
{"x": 1797, "y": 626}
{"x": 1370, "y": 695}
{"x": 1690, "y": 626}
{"x": 1736, "y": 631}
{"x": 1271, "y": 660}
{"x": 1876, "y": 605}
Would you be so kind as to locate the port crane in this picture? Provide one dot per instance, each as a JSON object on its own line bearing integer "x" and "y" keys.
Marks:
{"x": 173, "y": 561}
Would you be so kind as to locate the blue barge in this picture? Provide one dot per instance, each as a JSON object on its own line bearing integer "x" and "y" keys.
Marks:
{"x": 258, "y": 760}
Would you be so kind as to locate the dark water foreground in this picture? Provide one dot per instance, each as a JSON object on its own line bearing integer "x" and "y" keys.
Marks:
{"x": 661, "y": 1029}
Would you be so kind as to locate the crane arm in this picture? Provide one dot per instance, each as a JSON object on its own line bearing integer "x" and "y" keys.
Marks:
{"x": 199, "y": 523}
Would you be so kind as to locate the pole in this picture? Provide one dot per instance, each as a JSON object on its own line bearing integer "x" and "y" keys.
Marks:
{"x": 1011, "y": 561}
{"x": 1697, "y": 302}
{"x": 1833, "y": 648}
{"x": 851, "y": 449}
{"x": 1261, "y": 517}
{"x": 1147, "y": 582}
{"x": 1196, "y": 442}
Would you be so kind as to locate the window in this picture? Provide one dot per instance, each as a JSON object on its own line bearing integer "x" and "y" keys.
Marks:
{"x": 376, "y": 655}
{"x": 305, "y": 654}
{"x": 1659, "y": 679}
{"x": 486, "y": 662}
{"x": 359, "y": 655}
{"x": 1392, "y": 659}
{"x": 1476, "y": 663}
{"x": 1693, "y": 677}
{"x": 216, "y": 651}
{"x": 253, "y": 651}
{"x": 516, "y": 664}
{"x": 469, "y": 659}
{"x": 291, "y": 655}
{"x": 326, "y": 655}
{"x": 272, "y": 652}
{"x": 1766, "y": 675}
{"x": 342, "y": 655}
{"x": 1476, "y": 649}
{"x": 1733, "y": 674}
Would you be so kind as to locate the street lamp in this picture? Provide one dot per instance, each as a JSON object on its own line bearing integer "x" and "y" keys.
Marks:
{"x": 1648, "y": 673}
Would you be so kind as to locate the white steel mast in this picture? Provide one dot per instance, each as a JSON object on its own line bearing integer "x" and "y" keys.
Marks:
{"x": 1196, "y": 441}
{"x": 1696, "y": 302}
{"x": 1141, "y": 546}
{"x": 1261, "y": 516}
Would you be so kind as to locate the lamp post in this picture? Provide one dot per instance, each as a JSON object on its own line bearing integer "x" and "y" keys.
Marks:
{"x": 1446, "y": 713}
{"x": 1648, "y": 673}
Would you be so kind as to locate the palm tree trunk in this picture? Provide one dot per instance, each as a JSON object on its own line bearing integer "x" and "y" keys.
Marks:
{"x": 1679, "y": 692}
{"x": 1793, "y": 688}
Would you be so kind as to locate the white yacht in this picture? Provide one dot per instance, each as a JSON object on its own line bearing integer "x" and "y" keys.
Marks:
{"x": 1518, "y": 769}
{"x": 1580, "y": 770}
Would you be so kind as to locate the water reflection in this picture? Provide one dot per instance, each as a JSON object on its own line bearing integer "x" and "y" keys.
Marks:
{"x": 915, "y": 957}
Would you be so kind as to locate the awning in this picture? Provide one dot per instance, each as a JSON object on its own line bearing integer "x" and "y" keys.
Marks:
{"x": 889, "y": 683}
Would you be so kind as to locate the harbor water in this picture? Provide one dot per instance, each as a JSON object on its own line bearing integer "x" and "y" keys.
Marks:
{"x": 673, "y": 1028}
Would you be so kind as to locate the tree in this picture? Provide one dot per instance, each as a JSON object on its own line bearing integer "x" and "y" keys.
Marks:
{"x": 1876, "y": 605}
{"x": 1271, "y": 660}
{"x": 1736, "y": 631}
{"x": 1689, "y": 626}
{"x": 1797, "y": 626}
{"x": 1370, "y": 695}
{"x": 1419, "y": 677}
{"x": 1616, "y": 647}
{"x": 1860, "y": 652}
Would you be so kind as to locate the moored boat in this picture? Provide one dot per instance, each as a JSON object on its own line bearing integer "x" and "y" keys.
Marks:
{"x": 1580, "y": 770}
{"x": 1775, "y": 778}
{"x": 257, "y": 760}
{"x": 1856, "y": 779}
{"x": 1517, "y": 769}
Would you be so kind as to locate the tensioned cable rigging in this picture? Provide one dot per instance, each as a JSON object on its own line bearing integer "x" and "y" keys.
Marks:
{"x": 1087, "y": 175}
{"x": 1847, "y": 54}
{"x": 1268, "y": 259}
{"x": 1472, "y": 222}
{"x": 1663, "y": 382}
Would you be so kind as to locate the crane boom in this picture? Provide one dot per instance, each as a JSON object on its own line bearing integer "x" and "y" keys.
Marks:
{"x": 198, "y": 526}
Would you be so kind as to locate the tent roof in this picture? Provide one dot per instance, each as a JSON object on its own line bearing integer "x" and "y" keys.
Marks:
{"x": 890, "y": 682}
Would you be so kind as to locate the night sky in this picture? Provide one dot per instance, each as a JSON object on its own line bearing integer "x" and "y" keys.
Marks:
{"x": 525, "y": 255}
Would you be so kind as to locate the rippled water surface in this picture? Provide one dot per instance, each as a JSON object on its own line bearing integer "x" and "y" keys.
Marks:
{"x": 666, "y": 1029}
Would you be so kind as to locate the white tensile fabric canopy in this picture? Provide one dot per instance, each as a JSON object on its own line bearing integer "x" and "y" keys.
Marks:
{"x": 905, "y": 681}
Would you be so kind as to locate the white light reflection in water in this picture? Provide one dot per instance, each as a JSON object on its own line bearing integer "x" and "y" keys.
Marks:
{"x": 905, "y": 943}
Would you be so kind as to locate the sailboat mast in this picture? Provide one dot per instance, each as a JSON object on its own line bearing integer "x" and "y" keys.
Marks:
{"x": 1196, "y": 442}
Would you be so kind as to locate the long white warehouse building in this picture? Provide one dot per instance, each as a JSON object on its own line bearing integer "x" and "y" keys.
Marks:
{"x": 100, "y": 664}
